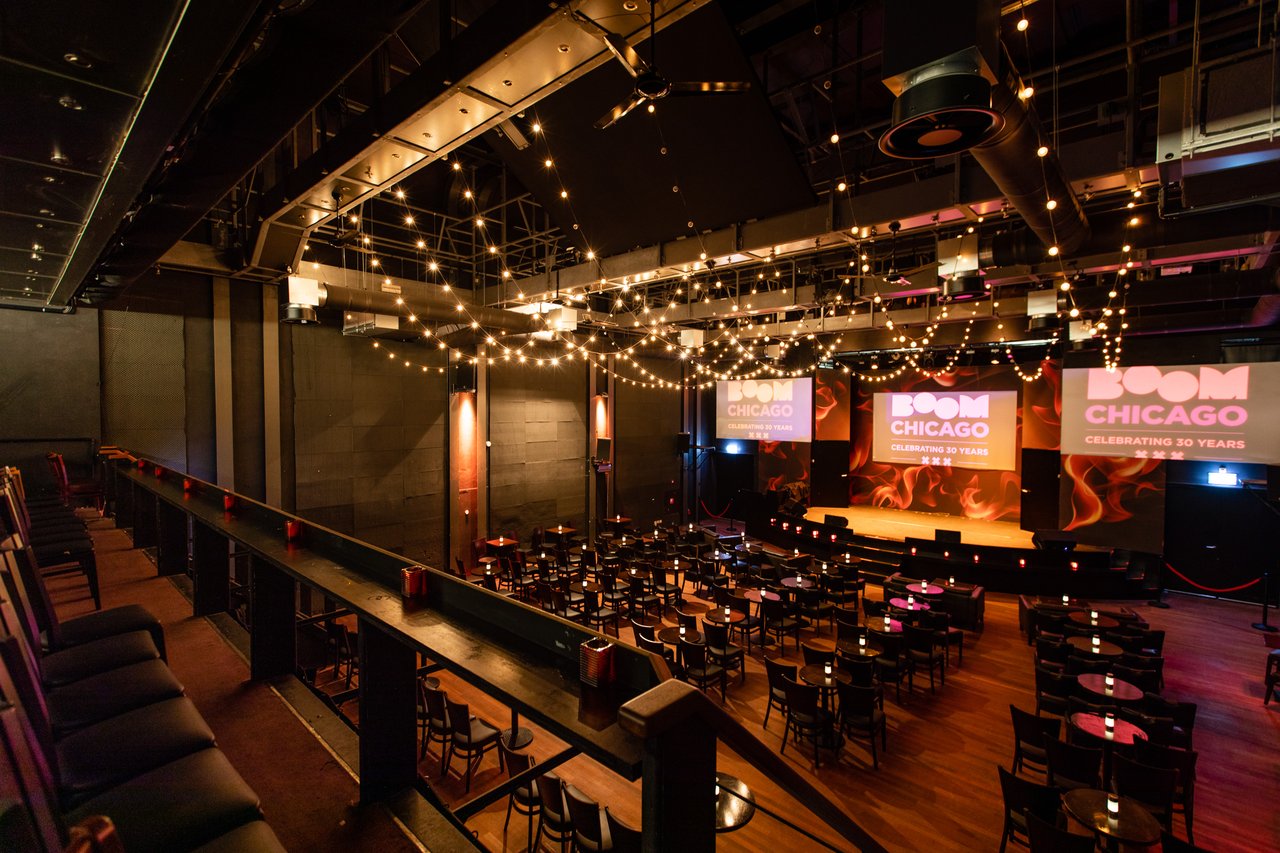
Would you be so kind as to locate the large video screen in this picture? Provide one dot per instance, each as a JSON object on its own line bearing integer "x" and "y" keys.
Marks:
{"x": 1217, "y": 413}
{"x": 765, "y": 409}
{"x": 970, "y": 429}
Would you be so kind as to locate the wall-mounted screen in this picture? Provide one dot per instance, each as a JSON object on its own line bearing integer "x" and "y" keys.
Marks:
{"x": 765, "y": 409}
{"x": 1220, "y": 412}
{"x": 970, "y": 429}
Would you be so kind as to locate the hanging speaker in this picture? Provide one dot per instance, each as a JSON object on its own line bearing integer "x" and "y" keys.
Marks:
{"x": 682, "y": 442}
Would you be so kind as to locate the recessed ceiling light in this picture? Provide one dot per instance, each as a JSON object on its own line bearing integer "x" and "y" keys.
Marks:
{"x": 59, "y": 159}
{"x": 73, "y": 58}
{"x": 70, "y": 103}
{"x": 630, "y": 5}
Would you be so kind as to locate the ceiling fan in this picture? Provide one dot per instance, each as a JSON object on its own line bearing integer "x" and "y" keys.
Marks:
{"x": 649, "y": 85}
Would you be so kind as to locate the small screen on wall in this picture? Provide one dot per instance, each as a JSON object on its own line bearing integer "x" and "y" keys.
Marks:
{"x": 765, "y": 409}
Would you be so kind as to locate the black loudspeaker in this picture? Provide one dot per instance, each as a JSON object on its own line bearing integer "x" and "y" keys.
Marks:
{"x": 835, "y": 520}
{"x": 1054, "y": 540}
{"x": 603, "y": 448}
{"x": 1273, "y": 482}
{"x": 464, "y": 376}
{"x": 1040, "y": 489}
{"x": 950, "y": 537}
{"x": 682, "y": 442}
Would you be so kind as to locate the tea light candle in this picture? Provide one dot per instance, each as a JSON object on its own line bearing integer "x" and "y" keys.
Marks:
{"x": 946, "y": 555}
{"x": 543, "y": 555}
{"x": 1022, "y": 562}
{"x": 951, "y": 581}
{"x": 677, "y": 562}
{"x": 681, "y": 630}
{"x": 1093, "y": 614}
{"x": 559, "y": 527}
{"x": 619, "y": 518}
{"x": 824, "y": 568}
{"x": 499, "y": 540}
{"x": 887, "y": 623}
{"x": 913, "y": 550}
{"x": 726, "y": 611}
{"x": 1110, "y": 722}
{"x": 1097, "y": 641}
{"x": 826, "y": 669}
{"x": 1113, "y": 805}
{"x": 975, "y": 558}
{"x": 1066, "y": 599}
{"x": 911, "y": 600}
{"x": 847, "y": 558}
{"x": 797, "y": 552}
{"x": 1109, "y": 680}
{"x": 862, "y": 642}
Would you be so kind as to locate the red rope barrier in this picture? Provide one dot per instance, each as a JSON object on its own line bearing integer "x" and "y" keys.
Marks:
{"x": 712, "y": 514}
{"x": 1211, "y": 589}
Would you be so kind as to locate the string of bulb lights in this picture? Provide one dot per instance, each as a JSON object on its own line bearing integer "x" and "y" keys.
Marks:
{"x": 609, "y": 354}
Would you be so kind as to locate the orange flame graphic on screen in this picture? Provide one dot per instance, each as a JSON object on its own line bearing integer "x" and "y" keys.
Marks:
{"x": 1103, "y": 487}
{"x": 989, "y": 496}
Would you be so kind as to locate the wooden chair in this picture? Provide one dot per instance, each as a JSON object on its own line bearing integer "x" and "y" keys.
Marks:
{"x": 1071, "y": 766}
{"x": 434, "y": 719}
{"x": 862, "y": 714}
{"x": 721, "y": 651}
{"x": 1045, "y": 837}
{"x": 588, "y": 822}
{"x": 778, "y": 673}
{"x": 1030, "y": 734}
{"x": 524, "y": 799}
{"x": 1022, "y": 797}
{"x": 626, "y": 839}
{"x": 553, "y": 815}
{"x": 779, "y": 622}
{"x": 1153, "y": 787}
{"x": 1181, "y": 760}
{"x": 805, "y": 718}
{"x": 470, "y": 736}
{"x": 598, "y": 616}
{"x": 699, "y": 670}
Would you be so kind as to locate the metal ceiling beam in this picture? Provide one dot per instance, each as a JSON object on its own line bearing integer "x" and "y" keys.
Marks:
{"x": 306, "y": 56}
{"x": 514, "y": 55}
{"x": 203, "y": 38}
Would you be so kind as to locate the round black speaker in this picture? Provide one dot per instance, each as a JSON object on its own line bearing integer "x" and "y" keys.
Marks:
{"x": 940, "y": 116}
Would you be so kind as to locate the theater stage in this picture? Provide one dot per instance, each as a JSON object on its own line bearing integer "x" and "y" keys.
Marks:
{"x": 899, "y": 524}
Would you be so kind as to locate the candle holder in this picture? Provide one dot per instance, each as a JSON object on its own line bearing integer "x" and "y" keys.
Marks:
{"x": 1066, "y": 599}
{"x": 946, "y": 555}
{"x": 293, "y": 530}
{"x": 726, "y": 612}
{"x": 1093, "y": 614}
{"x": 888, "y": 623}
{"x": 1109, "y": 721}
{"x": 913, "y": 550}
{"x": 975, "y": 558}
{"x": 682, "y": 632}
{"x": 826, "y": 670}
{"x": 1022, "y": 562}
{"x": 188, "y": 486}
{"x": 951, "y": 581}
{"x": 1113, "y": 806}
{"x": 228, "y": 503}
{"x": 862, "y": 642}
{"x": 911, "y": 601}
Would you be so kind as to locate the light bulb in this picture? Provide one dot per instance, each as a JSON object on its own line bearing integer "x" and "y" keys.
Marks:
{"x": 1042, "y": 151}
{"x": 1023, "y": 23}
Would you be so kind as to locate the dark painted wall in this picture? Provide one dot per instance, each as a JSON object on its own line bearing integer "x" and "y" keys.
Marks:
{"x": 646, "y": 465}
{"x": 537, "y": 465}
{"x": 246, "y": 388}
{"x": 49, "y": 385}
{"x": 369, "y": 440}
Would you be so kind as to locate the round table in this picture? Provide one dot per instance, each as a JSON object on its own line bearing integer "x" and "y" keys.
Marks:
{"x": 895, "y": 627}
{"x": 901, "y": 604}
{"x": 671, "y": 636}
{"x": 1132, "y": 824}
{"x": 924, "y": 589}
{"x": 756, "y": 594}
{"x": 815, "y": 674}
{"x": 1104, "y": 649}
{"x": 716, "y": 616}
{"x": 585, "y": 586}
{"x": 851, "y": 649}
{"x": 1102, "y": 623}
{"x": 1125, "y": 732}
{"x": 735, "y": 804}
{"x": 1121, "y": 691}
{"x": 797, "y": 583}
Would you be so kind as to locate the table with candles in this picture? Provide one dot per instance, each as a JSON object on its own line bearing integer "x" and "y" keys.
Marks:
{"x": 502, "y": 545}
{"x": 1117, "y": 689}
{"x": 1118, "y": 819}
{"x": 559, "y": 532}
{"x": 884, "y": 625}
{"x": 924, "y": 589}
{"x": 909, "y": 604}
{"x": 1095, "y": 645}
{"x": 724, "y": 616}
{"x": 797, "y": 582}
{"x": 672, "y": 635}
{"x": 825, "y": 677}
{"x": 1093, "y": 619}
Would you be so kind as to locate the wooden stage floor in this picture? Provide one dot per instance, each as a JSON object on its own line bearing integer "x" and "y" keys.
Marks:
{"x": 898, "y": 524}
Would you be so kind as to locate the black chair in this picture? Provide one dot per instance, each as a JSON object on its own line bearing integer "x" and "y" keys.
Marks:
{"x": 660, "y": 649}
{"x": 470, "y": 736}
{"x": 1020, "y": 798}
{"x": 874, "y": 609}
{"x": 553, "y": 813}
{"x": 1153, "y": 787}
{"x": 779, "y": 622}
{"x": 814, "y": 655}
{"x": 688, "y": 621}
{"x": 589, "y": 832}
{"x": 750, "y": 622}
{"x": 805, "y": 718}
{"x": 946, "y": 634}
{"x": 861, "y": 670}
{"x": 433, "y": 719}
{"x": 721, "y": 651}
{"x": 666, "y": 591}
{"x": 700, "y": 671}
{"x": 1181, "y": 760}
{"x": 523, "y": 799}
{"x": 862, "y": 713}
{"x": 778, "y": 672}
{"x": 1030, "y": 734}
{"x": 1053, "y": 652}
{"x": 1044, "y": 837}
{"x": 892, "y": 664}
{"x": 922, "y": 647}
{"x": 814, "y": 606}
{"x": 1079, "y": 665}
{"x": 598, "y": 616}
{"x": 641, "y": 600}
{"x": 1071, "y": 766}
{"x": 1053, "y": 689}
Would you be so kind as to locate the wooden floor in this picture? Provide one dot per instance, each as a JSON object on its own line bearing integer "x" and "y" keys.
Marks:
{"x": 900, "y": 523}
{"x": 937, "y": 787}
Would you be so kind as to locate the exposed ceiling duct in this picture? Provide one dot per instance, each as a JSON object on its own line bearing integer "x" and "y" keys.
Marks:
{"x": 956, "y": 92}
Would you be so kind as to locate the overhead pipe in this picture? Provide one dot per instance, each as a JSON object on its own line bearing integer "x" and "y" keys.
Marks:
{"x": 957, "y": 91}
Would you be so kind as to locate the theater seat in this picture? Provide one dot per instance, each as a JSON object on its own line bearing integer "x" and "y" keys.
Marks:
{"x": 92, "y": 700}
{"x": 255, "y": 837}
{"x": 90, "y": 659}
{"x": 108, "y": 623}
{"x": 180, "y": 806}
{"x": 123, "y": 747}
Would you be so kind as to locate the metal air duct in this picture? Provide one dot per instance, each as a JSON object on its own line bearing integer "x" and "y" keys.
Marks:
{"x": 956, "y": 92}
{"x": 309, "y": 292}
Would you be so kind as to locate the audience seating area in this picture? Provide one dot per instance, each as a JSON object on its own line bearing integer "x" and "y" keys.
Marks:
{"x": 99, "y": 740}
